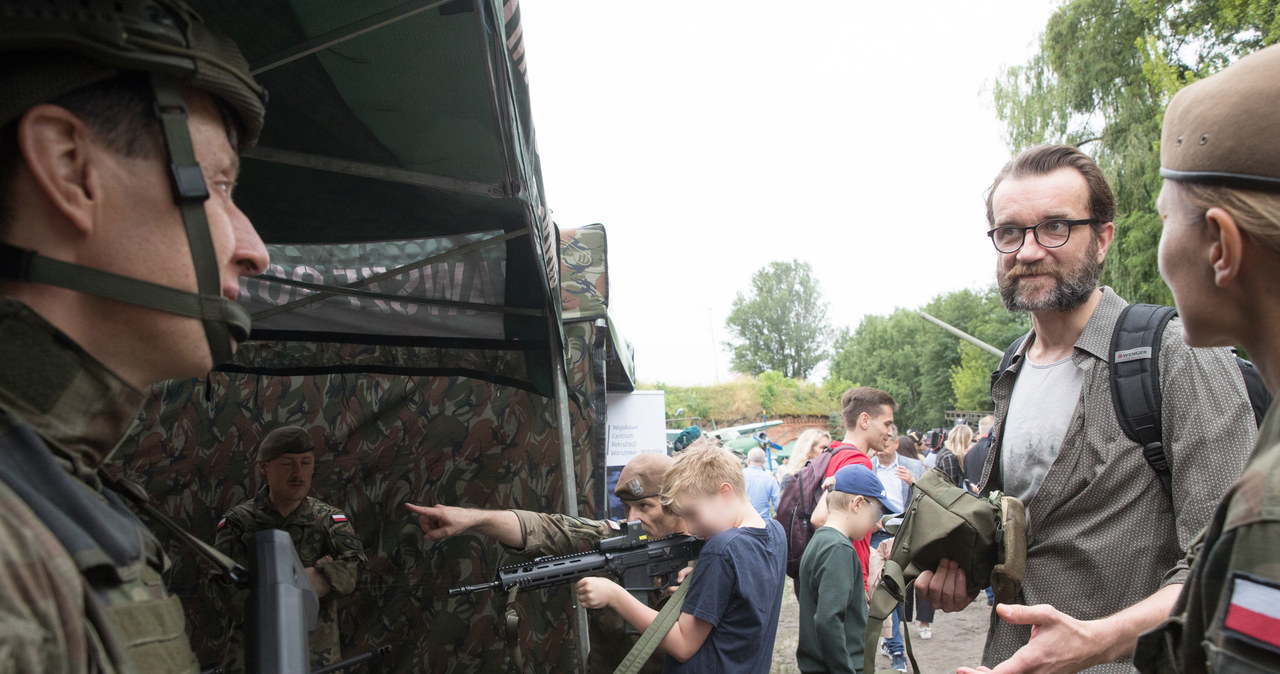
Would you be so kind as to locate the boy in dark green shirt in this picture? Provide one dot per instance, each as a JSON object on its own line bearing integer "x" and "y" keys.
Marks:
{"x": 833, "y": 602}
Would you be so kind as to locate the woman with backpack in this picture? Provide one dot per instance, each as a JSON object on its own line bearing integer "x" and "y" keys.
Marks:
{"x": 951, "y": 457}
{"x": 810, "y": 444}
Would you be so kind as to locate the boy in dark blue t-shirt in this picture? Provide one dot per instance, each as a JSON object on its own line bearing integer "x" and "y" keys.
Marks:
{"x": 730, "y": 615}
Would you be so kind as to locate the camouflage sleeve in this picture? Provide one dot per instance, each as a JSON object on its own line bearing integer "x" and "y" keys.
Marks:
{"x": 347, "y": 552}
{"x": 560, "y": 534}
{"x": 41, "y": 597}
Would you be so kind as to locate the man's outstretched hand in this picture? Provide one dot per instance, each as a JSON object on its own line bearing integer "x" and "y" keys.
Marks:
{"x": 944, "y": 588}
{"x": 1059, "y": 643}
{"x": 439, "y": 522}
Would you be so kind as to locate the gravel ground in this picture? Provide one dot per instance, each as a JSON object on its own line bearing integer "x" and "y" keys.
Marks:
{"x": 957, "y": 639}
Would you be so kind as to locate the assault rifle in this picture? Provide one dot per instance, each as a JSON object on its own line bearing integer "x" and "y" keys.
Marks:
{"x": 643, "y": 564}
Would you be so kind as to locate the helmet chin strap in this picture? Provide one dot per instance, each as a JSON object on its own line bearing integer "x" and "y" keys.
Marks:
{"x": 222, "y": 318}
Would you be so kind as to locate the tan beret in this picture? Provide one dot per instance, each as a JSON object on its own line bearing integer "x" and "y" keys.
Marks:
{"x": 284, "y": 440}
{"x": 1225, "y": 129}
{"x": 642, "y": 477}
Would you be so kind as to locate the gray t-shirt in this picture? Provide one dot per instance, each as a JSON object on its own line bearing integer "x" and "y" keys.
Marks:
{"x": 1043, "y": 402}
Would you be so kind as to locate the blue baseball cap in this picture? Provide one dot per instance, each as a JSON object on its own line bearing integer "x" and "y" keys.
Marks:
{"x": 861, "y": 481}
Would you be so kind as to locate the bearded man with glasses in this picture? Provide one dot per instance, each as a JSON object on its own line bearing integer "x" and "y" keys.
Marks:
{"x": 1106, "y": 542}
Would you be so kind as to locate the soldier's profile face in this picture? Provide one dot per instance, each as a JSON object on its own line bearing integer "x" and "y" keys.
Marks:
{"x": 655, "y": 521}
{"x": 289, "y": 476}
{"x": 142, "y": 236}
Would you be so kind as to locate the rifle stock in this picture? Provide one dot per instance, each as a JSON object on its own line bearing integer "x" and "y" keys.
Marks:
{"x": 283, "y": 607}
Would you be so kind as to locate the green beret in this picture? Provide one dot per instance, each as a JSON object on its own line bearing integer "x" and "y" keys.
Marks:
{"x": 1225, "y": 129}
{"x": 284, "y": 440}
{"x": 686, "y": 438}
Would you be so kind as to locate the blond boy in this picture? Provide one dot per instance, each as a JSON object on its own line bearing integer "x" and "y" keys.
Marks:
{"x": 730, "y": 614}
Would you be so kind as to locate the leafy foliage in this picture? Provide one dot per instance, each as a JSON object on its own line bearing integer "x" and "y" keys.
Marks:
{"x": 745, "y": 400}
{"x": 1104, "y": 73}
{"x": 919, "y": 364}
{"x": 782, "y": 326}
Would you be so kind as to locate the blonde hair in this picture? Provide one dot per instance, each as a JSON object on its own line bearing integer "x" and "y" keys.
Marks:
{"x": 839, "y": 501}
{"x": 1256, "y": 212}
{"x": 807, "y": 446}
{"x": 958, "y": 441}
{"x": 699, "y": 471}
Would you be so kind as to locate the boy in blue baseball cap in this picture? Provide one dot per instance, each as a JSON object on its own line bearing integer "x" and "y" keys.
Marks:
{"x": 833, "y": 604}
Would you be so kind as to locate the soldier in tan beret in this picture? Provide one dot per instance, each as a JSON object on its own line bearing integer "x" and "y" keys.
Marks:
{"x": 538, "y": 534}
{"x": 1219, "y": 253}
{"x": 326, "y": 543}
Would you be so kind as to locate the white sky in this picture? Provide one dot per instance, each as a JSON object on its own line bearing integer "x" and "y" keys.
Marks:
{"x": 711, "y": 138}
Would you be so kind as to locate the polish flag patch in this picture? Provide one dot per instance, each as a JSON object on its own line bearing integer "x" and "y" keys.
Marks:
{"x": 221, "y": 523}
{"x": 339, "y": 518}
{"x": 1254, "y": 611}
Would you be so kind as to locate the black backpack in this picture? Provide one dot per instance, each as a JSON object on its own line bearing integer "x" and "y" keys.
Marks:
{"x": 1135, "y": 380}
{"x": 796, "y": 505}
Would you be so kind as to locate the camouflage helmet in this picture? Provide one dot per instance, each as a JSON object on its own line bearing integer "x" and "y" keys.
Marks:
{"x": 55, "y": 47}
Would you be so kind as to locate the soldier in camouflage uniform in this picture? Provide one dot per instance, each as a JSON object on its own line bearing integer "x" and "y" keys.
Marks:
{"x": 1219, "y": 251}
{"x": 536, "y": 534}
{"x": 98, "y": 205}
{"x": 326, "y": 543}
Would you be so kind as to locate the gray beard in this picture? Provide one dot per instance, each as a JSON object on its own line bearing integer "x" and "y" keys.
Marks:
{"x": 1072, "y": 290}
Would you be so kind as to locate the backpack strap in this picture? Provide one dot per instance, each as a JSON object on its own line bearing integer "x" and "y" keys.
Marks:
{"x": 888, "y": 595}
{"x": 662, "y": 623}
{"x": 1007, "y": 359}
{"x": 1259, "y": 396}
{"x": 1135, "y": 381}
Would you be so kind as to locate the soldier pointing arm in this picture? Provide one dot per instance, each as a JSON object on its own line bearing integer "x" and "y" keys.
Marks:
{"x": 538, "y": 534}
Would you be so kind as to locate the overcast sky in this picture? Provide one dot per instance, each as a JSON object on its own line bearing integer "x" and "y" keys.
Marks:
{"x": 711, "y": 138}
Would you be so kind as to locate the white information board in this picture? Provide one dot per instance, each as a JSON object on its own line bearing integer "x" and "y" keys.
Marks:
{"x": 637, "y": 423}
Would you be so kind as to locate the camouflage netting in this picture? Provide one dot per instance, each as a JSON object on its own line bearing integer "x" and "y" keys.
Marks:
{"x": 598, "y": 358}
{"x": 387, "y": 440}
{"x": 408, "y": 318}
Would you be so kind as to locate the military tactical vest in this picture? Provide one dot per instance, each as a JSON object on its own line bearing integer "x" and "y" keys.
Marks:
{"x": 140, "y": 626}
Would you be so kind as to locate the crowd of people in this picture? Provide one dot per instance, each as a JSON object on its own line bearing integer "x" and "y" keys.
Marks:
{"x": 1157, "y": 555}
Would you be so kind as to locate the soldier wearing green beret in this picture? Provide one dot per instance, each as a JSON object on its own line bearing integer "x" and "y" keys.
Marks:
{"x": 326, "y": 543}
{"x": 1219, "y": 252}
{"x": 537, "y": 534}
{"x": 121, "y": 251}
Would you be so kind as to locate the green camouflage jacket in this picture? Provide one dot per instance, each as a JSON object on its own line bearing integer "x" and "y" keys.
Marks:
{"x": 564, "y": 535}
{"x": 1227, "y": 618}
{"x": 318, "y": 531}
{"x": 80, "y": 585}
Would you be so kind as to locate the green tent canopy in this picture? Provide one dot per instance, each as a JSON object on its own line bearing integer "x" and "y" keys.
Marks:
{"x": 410, "y": 321}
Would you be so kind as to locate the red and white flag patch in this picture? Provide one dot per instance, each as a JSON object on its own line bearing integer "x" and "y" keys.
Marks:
{"x": 1254, "y": 611}
{"x": 221, "y": 523}
{"x": 339, "y": 518}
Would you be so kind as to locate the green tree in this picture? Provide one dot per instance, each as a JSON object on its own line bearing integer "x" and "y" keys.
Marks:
{"x": 782, "y": 325}
{"x": 916, "y": 361}
{"x": 1104, "y": 73}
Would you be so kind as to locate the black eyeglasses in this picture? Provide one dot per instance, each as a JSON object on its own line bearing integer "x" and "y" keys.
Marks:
{"x": 1049, "y": 234}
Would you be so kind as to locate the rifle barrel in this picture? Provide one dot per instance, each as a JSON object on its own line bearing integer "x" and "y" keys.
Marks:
{"x": 369, "y": 655}
{"x": 478, "y": 587}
